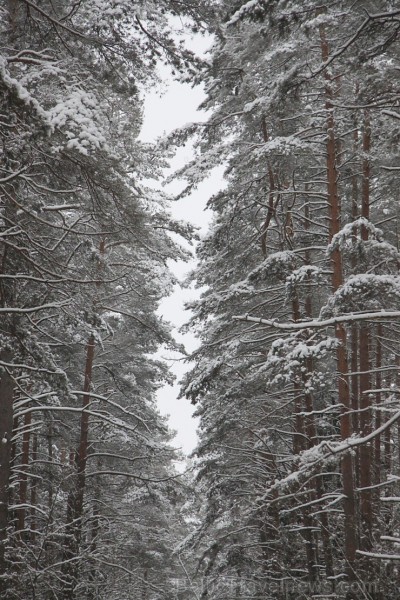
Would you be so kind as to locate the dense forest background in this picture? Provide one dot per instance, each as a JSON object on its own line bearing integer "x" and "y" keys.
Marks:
{"x": 294, "y": 488}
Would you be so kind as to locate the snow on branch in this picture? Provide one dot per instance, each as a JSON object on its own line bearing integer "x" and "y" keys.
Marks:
{"x": 379, "y": 555}
{"x": 352, "y": 39}
{"x": 284, "y": 145}
{"x": 252, "y": 7}
{"x": 21, "y": 91}
{"x": 287, "y": 355}
{"x": 323, "y": 452}
{"x": 364, "y": 290}
{"x": 69, "y": 409}
{"x": 57, "y": 22}
{"x": 391, "y": 113}
{"x": 79, "y": 115}
{"x": 12, "y": 176}
{"x": 316, "y": 323}
{"x": 355, "y": 441}
{"x": 277, "y": 265}
{"x": 32, "y": 309}
{"x": 340, "y": 238}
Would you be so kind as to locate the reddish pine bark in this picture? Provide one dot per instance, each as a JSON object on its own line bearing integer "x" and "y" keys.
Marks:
{"x": 75, "y": 502}
{"x": 334, "y": 210}
{"x": 354, "y": 327}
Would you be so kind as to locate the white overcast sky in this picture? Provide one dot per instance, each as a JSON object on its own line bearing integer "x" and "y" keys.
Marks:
{"x": 165, "y": 111}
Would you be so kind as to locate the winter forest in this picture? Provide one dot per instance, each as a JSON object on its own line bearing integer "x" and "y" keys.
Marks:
{"x": 293, "y": 491}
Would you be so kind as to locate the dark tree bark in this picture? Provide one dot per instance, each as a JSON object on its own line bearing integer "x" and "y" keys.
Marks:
{"x": 76, "y": 497}
{"x": 273, "y": 196}
{"x": 34, "y": 488}
{"x": 6, "y": 432}
{"x": 23, "y": 478}
{"x": 365, "y": 366}
{"x": 378, "y": 463}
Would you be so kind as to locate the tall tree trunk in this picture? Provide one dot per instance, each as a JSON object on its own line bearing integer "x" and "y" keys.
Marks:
{"x": 6, "y": 432}
{"x": 334, "y": 209}
{"x": 75, "y": 502}
{"x": 23, "y": 478}
{"x": 354, "y": 326}
{"x": 76, "y": 497}
{"x": 82, "y": 454}
{"x": 50, "y": 459}
{"x": 378, "y": 415}
{"x": 299, "y": 440}
{"x": 365, "y": 367}
{"x": 93, "y": 573}
{"x": 312, "y": 432}
{"x": 365, "y": 428}
{"x": 355, "y": 405}
{"x": 34, "y": 488}
{"x": 302, "y": 440}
